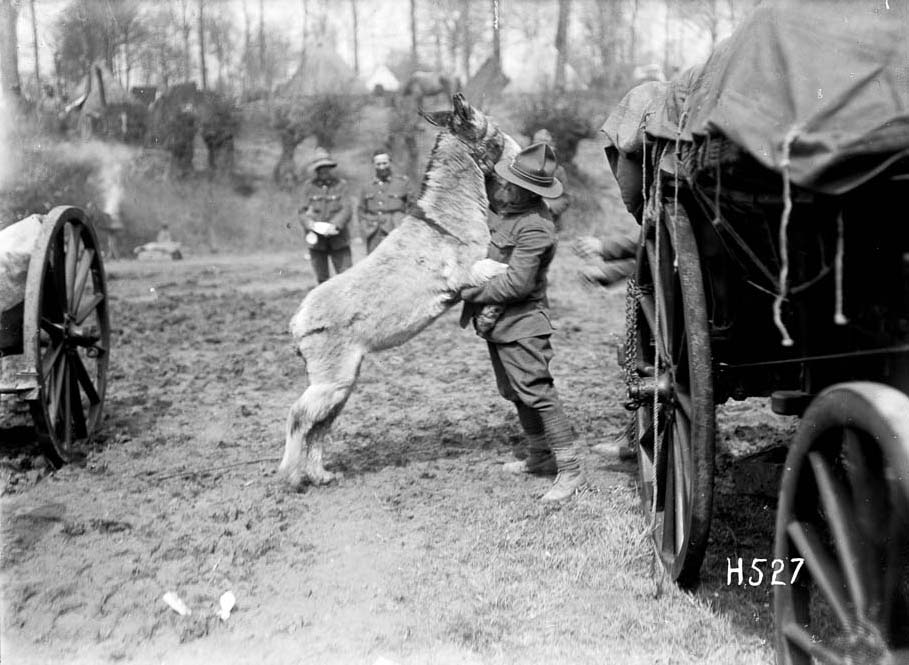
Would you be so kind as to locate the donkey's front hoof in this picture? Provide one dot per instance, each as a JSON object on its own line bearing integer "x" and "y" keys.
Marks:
{"x": 322, "y": 477}
{"x": 294, "y": 481}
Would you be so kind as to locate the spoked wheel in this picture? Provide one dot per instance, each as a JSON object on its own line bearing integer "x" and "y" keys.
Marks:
{"x": 844, "y": 510}
{"x": 675, "y": 465}
{"x": 66, "y": 331}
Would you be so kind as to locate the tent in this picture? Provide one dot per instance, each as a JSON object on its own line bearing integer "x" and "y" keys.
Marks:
{"x": 485, "y": 87}
{"x": 321, "y": 72}
{"x": 531, "y": 68}
{"x": 100, "y": 89}
{"x": 383, "y": 77}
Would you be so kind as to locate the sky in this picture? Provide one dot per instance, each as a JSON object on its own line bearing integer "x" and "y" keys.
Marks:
{"x": 383, "y": 27}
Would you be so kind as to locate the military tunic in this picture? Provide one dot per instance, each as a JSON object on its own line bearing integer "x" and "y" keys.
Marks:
{"x": 381, "y": 207}
{"x": 526, "y": 241}
{"x": 519, "y": 344}
{"x": 327, "y": 201}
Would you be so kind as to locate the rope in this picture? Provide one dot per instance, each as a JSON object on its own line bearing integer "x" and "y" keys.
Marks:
{"x": 644, "y": 176}
{"x": 838, "y": 317}
{"x": 658, "y": 295}
{"x": 675, "y": 194}
{"x": 784, "y": 240}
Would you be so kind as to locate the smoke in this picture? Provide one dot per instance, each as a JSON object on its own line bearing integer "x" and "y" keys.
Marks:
{"x": 110, "y": 162}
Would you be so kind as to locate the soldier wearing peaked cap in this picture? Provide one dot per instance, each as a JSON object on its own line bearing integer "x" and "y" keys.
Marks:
{"x": 383, "y": 201}
{"x": 325, "y": 215}
{"x": 523, "y": 236}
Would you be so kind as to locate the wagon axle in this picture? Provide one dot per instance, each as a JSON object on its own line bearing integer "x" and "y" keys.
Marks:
{"x": 73, "y": 335}
{"x": 642, "y": 391}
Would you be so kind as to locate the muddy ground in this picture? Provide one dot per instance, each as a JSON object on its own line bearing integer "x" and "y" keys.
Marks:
{"x": 423, "y": 553}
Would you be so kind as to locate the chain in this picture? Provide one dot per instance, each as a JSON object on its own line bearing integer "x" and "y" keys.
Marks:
{"x": 633, "y": 295}
{"x": 632, "y": 380}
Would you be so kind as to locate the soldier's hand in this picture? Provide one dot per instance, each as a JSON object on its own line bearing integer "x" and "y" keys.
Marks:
{"x": 591, "y": 275}
{"x": 587, "y": 247}
{"x": 484, "y": 270}
{"x": 606, "y": 273}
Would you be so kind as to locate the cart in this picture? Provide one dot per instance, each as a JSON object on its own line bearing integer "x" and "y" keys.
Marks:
{"x": 782, "y": 273}
{"x": 54, "y": 345}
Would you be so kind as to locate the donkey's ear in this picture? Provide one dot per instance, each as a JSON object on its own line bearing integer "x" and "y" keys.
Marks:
{"x": 437, "y": 118}
{"x": 461, "y": 107}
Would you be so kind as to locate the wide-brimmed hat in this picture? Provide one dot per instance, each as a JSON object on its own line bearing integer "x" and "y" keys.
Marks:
{"x": 533, "y": 169}
{"x": 321, "y": 158}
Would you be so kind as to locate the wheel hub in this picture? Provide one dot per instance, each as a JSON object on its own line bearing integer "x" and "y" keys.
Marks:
{"x": 643, "y": 391}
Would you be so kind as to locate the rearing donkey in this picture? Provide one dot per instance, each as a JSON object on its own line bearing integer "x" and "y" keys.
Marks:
{"x": 410, "y": 280}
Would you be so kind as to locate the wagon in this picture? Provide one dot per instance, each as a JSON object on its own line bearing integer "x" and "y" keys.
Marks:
{"x": 54, "y": 344}
{"x": 773, "y": 261}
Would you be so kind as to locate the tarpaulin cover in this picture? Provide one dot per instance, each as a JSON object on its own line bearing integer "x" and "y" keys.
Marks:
{"x": 17, "y": 242}
{"x": 834, "y": 77}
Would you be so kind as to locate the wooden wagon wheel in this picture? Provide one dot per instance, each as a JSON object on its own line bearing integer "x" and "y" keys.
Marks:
{"x": 844, "y": 509}
{"x": 66, "y": 332}
{"x": 671, "y": 316}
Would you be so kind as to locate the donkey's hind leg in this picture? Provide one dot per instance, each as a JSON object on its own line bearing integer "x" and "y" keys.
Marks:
{"x": 311, "y": 416}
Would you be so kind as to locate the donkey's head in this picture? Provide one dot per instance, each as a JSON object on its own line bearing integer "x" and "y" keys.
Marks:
{"x": 486, "y": 143}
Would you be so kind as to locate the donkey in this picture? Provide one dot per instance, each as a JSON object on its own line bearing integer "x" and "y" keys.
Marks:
{"x": 410, "y": 280}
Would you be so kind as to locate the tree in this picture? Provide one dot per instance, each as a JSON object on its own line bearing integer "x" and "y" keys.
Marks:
{"x": 88, "y": 31}
{"x": 220, "y": 33}
{"x": 605, "y": 30}
{"x": 561, "y": 46}
{"x": 185, "y": 30}
{"x": 413, "y": 32}
{"x": 496, "y": 39}
{"x": 204, "y": 73}
{"x": 9, "y": 48}
{"x": 356, "y": 42}
{"x": 155, "y": 51}
{"x": 262, "y": 38}
{"x": 466, "y": 38}
{"x": 35, "y": 45}
{"x": 632, "y": 45}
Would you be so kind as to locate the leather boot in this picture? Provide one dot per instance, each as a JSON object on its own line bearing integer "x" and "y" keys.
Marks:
{"x": 619, "y": 447}
{"x": 570, "y": 476}
{"x": 565, "y": 485}
{"x": 540, "y": 461}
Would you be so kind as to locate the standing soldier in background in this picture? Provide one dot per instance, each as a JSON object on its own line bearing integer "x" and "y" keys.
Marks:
{"x": 383, "y": 201}
{"x": 558, "y": 205}
{"x": 324, "y": 215}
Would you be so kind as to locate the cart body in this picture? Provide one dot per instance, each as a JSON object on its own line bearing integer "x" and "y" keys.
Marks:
{"x": 774, "y": 261}
{"x": 54, "y": 343}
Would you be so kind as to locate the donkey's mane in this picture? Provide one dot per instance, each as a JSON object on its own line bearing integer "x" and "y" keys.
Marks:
{"x": 453, "y": 191}
{"x": 430, "y": 165}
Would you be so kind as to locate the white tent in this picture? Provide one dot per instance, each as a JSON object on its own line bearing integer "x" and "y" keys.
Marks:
{"x": 383, "y": 77}
{"x": 531, "y": 68}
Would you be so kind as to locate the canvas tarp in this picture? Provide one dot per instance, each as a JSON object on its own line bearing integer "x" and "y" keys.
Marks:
{"x": 832, "y": 77}
{"x": 17, "y": 242}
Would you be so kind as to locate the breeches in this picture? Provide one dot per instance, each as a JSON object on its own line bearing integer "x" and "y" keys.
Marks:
{"x": 340, "y": 259}
{"x": 522, "y": 372}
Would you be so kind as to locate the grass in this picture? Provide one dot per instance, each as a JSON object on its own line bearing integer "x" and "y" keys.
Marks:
{"x": 423, "y": 552}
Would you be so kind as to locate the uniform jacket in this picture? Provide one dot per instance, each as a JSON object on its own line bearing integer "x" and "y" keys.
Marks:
{"x": 382, "y": 204}
{"x": 327, "y": 202}
{"x": 526, "y": 241}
